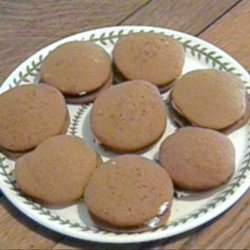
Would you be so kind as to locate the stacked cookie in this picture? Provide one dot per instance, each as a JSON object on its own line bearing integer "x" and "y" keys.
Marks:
{"x": 210, "y": 99}
{"x": 156, "y": 58}
{"x": 129, "y": 117}
{"x": 198, "y": 159}
{"x": 57, "y": 171}
{"x": 29, "y": 115}
{"x": 80, "y": 70}
{"x": 128, "y": 192}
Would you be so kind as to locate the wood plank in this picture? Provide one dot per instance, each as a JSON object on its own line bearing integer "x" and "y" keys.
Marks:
{"x": 28, "y": 25}
{"x": 18, "y": 231}
{"x": 232, "y": 33}
{"x": 189, "y": 16}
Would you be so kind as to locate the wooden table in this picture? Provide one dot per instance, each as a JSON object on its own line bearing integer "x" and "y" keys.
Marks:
{"x": 29, "y": 25}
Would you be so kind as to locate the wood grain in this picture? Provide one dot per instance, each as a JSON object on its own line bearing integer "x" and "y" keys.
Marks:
{"x": 18, "y": 231}
{"x": 232, "y": 33}
{"x": 28, "y": 25}
{"x": 189, "y": 16}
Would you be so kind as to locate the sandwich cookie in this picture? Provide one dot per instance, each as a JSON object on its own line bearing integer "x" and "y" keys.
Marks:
{"x": 129, "y": 116}
{"x": 129, "y": 192}
{"x": 240, "y": 123}
{"x": 90, "y": 97}
{"x": 209, "y": 98}
{"x": 15, "y": 154}
{"x": 147, "y": 56}
{"x": 180, "y": 121}
{"x": 57, "y": 171}
{"x": 78, "y": 69}
{"x": 30, "y": 114}
{"x": 198, "y": 159}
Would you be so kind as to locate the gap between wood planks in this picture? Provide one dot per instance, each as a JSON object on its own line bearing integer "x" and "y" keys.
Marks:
{"x": 218, "y": 18}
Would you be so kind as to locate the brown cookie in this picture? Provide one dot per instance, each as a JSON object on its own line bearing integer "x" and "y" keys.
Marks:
{"x": 30, "y": 114}
{"x": 88, "y": 97}
{"x": 210, "y": 98}
{"x": 57, "y": 171}
{"x": 147, "y": 56}
{"x": 176, "y": 117}
{"x": 129, "y": 191}
{"x": 128, "y": 116}
{"x": 181, "y": 121}
{"x": 118, "y": 78}
{"x": 16, "y": 154}
{"x": 198, "y": 159}
{"x": 156, "y": 222}
{"x": 76, "y": 67}
{"x": 238, "y": 124}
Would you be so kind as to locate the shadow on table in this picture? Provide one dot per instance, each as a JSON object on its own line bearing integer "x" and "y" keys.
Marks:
{"x": 79, "y": 244}
{"x": 29, "y": 223}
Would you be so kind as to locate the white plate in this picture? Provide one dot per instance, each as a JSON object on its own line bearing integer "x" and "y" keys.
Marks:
{"x": 189, "y": 210}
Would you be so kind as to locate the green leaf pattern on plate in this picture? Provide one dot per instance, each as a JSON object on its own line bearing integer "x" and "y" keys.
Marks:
{"x": 31, "y": 71}
{"x": 76, "y": 119}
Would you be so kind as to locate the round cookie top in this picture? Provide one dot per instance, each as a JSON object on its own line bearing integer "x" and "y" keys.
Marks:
{"x": 129, "y": 116}
{"x": 210, "y": 98}
{"x": 57, "y": 171}
{"x": 88, "y": 97}
{"x": 76, "y": 67}
{"x": 152, "y": 57}
{"x": 128, "y": 191}
{"x": 29, "y": 114}
{"x": 198, "y": 159}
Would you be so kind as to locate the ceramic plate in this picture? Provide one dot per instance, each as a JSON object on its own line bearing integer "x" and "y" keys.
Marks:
{"x": 189, "y": 210}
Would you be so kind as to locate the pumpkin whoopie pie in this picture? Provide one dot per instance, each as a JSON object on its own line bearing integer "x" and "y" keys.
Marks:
{"x": 209, "y": 98}
{"x": 30, "y": 114}
{"x": 78, "y": 69}
{"x": 129, "y": 191}
{"x": 198, "y": 159}
{"x": 57, "y": 171}
{"x": 129, "y": 116}
{"x": 151, "y": 57}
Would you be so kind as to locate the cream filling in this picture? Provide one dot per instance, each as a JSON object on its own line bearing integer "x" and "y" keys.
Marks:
{"x": 155, "y": 222}
{"x": 82, "y": 93}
